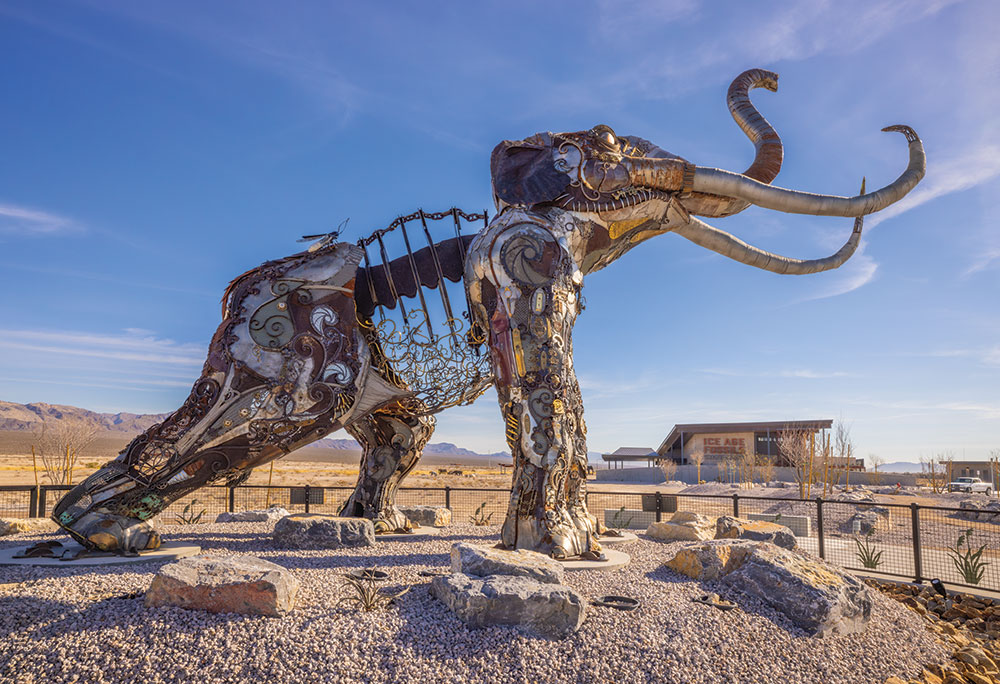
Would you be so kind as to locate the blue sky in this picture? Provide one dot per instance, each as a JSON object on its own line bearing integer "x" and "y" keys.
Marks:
{"x": 152, "y": 151}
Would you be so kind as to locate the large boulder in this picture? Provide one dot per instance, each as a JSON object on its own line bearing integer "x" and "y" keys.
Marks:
{"x": 683, "y": 526}
{"x": 314, "y": 531}
{"x": 271, "y": 514}
{"x": 728, "y": 527}
{"x": 816, "y": 596}
{"x": 548, "y": 610}
{"x": 431, "y": 516}
{"x": 26, "y": 526}
{"x": 705, "y": 561}
{"x": 224, "y": 584}
{"x": 983, "y": 510}
{"x": 484, "y": 561}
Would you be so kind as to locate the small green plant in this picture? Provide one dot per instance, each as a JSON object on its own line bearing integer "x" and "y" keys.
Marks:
{"x": 479, "y": 518}
{"x": 618, "y": 521}
{"x": 866, "y": 553}
{"x": 777, "y": 518}
{"x": 188, "y": 516}
{"x": 365, "y": 594}
{"x": 969, "y": 563}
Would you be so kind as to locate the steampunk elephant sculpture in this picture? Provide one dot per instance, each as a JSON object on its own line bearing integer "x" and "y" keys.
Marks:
{"x": 300, "y": 353}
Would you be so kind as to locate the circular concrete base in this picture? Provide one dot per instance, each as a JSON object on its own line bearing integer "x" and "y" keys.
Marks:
{"x": 167, "y": 552}
{"x": 626, "y": 537}
{"x": 421, "y": 532}
{"x": 613, "y": 561}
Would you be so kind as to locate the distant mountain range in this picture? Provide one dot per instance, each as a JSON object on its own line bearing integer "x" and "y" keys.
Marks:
{"x": 900, "y": 467}
{"x": 19, "y": 417}
{"x": 28, "y": 417}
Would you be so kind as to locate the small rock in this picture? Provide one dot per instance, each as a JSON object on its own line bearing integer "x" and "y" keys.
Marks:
{"x": 728, "y": 527}
{"x": 263, "y": 515}
{"x": 222, "y": 584}
{"x": 548, "y": 610}
{"x": 432, "y": 516}
{"x": 704, "y": 561}
{"x": 484, "y": 561}
{"x": 683, "y": 526}
{"x": 26, "y": 526}
{"x": 314, "y": 531}
{"x": 865, "y": 522}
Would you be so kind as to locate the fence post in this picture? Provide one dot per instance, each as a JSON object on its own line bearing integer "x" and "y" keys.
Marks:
{"x": 819, "y": 527}
{"x": 232, "y": 499}
{"x": 447, "y": 497}
{"x": 33, "y": 503}
{"x": 659, "y": 506}
{"x": 307, "y": 498}
{"x": 736, "y": 505}
{"x": 42, "y": 491}
{"x": 917, "y": 564}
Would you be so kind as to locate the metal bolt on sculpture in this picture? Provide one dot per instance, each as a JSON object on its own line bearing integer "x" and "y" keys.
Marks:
{"x": 308, "y": 345}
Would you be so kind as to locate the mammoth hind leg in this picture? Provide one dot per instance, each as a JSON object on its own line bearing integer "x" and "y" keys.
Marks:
{"x": 392, "y": 444}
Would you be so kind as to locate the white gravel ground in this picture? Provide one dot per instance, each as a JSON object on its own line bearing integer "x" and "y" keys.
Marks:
{"x": 79, "y": 625}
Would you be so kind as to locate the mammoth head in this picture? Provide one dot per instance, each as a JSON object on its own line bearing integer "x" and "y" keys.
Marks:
{"x": 597, "y": 170}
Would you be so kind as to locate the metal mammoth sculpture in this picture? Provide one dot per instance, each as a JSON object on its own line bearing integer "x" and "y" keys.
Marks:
{"x": 305, "y": 346}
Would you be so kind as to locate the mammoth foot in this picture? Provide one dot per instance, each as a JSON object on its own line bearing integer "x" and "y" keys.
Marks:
{"x": 85, "y": 513}
{"x": 114, "y": 533}
{"x": 393, "y": 522}
{"x": 569, "y": 536}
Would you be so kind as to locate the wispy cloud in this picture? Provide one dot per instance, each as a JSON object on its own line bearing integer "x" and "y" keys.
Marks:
{"x": 857, "y": 272}
{"x": 814, "y": 375}
{"x": 945, "y": 177}
{"x": 132, "y": 346}
{"x": 804, "y": 373}
{"x": 28, "y": 221}
{"x": 982, "y": 261}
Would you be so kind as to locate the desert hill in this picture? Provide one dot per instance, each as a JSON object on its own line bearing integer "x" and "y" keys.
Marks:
{"x": 18, "y": 422}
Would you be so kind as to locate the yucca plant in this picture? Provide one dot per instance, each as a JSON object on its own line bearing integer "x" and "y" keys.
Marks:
{"x": 618, "y": 520}
{"x": 969, "y": 563}
{"x": 480, "y": 518}
{"x": 365, "y": 594}
{"x": 866, "y": 553}
{"x": 188, "y": 516}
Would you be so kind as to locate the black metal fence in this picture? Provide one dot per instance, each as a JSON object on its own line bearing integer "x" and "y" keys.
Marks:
{"x": 912, "y": 541}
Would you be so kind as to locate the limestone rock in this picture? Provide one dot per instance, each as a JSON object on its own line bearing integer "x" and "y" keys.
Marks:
{"x": 223, "y": 584}
{"x": 865, "y": 522}
{"x": 26, "y": 526}
{"x": 271, "y": 514}
{"x": 432, "y": 516}
{"x": 314, "y": 531}
{"x": 683, "y": 526}
{"x": 984, "y": 510}
{"x": 818, "y": 597}
{"x": 484, "y": 561}
{"x": 548, "y": 610}
{"x": 706, "y": 561}
{"x": 728, "y": 527}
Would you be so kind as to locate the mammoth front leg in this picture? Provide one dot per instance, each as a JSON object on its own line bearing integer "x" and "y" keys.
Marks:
{"x": 392, "y": 446}
{"x": 525, "y": 290}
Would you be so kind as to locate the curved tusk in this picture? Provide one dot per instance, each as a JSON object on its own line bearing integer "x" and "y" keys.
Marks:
{"x": 765, "y": 139}
{"x": 730, "y": 246}
{"x": 719, "y": 182}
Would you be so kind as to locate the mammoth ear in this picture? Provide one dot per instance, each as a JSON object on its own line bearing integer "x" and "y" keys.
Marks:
{"x": 524, "y": 174}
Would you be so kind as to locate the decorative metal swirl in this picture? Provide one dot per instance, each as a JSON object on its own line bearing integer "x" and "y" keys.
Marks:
{"x": 442, "y": 370}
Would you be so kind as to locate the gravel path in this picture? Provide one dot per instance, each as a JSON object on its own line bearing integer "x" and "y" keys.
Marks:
{"x": 80, "y": 625}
